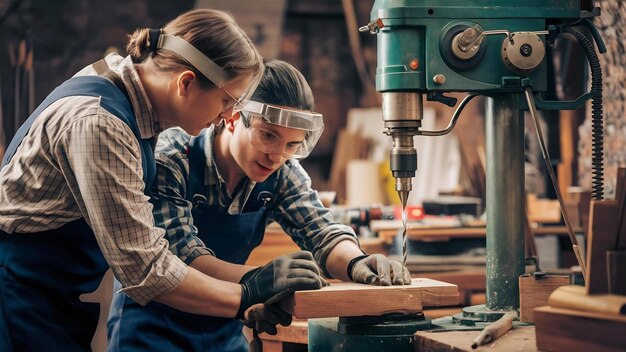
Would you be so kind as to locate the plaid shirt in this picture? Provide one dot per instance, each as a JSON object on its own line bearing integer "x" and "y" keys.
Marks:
{"x": 79, "y": 161}
{"x": 296, "y": 208}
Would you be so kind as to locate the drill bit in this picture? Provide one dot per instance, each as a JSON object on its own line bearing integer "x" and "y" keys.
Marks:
{"x": 404, "y": 195}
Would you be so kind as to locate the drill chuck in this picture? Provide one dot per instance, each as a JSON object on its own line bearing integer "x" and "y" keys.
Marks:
{"x": 403, "y": 161}
{"x": 402, "y": 117}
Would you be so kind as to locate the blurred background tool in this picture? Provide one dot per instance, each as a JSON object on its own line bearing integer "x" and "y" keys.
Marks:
{"x": 453, "y": 205}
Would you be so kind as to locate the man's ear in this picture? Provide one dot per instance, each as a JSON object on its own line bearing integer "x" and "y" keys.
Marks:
{"x": 230, "y": 122}
{"x": 183, "y": 81}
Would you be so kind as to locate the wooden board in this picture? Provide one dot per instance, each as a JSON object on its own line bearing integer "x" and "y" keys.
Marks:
{"x": 535, "y": 292}
{"x": 620, "y": 197}
{"x": 348, "y": 299}
{"x": 469, "y": 282}
{"x": 616, "y": 271}
{"x": 516, "y": 339}
{"x": 574, "y": 297}
{"x": 570, "y": 330}
{"x": 297, "y": 332}
{"x": 603, "y": 223}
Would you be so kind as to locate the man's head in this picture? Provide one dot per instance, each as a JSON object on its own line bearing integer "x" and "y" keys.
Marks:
{"x": 277, "y": 124}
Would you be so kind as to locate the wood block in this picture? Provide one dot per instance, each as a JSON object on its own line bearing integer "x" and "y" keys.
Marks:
{"x": 469, "y": 282}
{"x": 297, "y": 332}
{"x": 603, "y": 224}
{"x": 543, "y": 210}
{"x": 574, "y": 297}
{"x": 348, "y": 299}
{"x": 620, "y": 198}
{"x": 516, "y": 339}
{"x": 616, "y": 271}
{"x": 572, "y": 330}
{"x": 535, "y": 292}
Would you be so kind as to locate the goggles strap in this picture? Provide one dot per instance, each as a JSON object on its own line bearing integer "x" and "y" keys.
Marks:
{"x": 209, "y": 69}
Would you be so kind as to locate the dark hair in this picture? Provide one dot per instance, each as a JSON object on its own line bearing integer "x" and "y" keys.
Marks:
{"x": 282, "y": 84}
{"x": 215, "y": 33}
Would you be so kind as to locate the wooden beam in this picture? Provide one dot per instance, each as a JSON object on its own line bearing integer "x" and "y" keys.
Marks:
{"x": 348, "y": 299}
{"x": 573, "y": 330}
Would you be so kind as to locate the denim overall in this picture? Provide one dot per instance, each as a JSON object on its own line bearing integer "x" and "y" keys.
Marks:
{"x": 157, "y": 327}
{"x": 43, "y": 274}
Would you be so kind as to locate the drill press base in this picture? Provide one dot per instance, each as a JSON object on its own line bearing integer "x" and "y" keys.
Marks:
{"x": 473, "y": 318}
{"x": 390, "y": 332}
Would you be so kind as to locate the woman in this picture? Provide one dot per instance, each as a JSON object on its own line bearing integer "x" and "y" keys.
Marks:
{"x": 225, "y": 186}
{"x": 74, "y": 181}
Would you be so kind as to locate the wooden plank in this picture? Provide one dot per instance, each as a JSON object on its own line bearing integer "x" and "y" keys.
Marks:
{"x": 348, "y": 299}
{"x": 517, "y": 339}
{"x": 603, "y": 223}
{"x": 574, "y": 297}
{"x": 571, "y": 330}
{"x": 468, "y": 282}
{"x": 616, "y": 271}
{"x": 297, "y": 332}
{"x": 535, "y": 292}
{"x": 568, "y": 135}
{"x": 620, "y": 197}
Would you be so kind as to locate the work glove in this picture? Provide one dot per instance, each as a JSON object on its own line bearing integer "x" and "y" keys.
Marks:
{"x": 291, "y": 272}
{"x": 264, "y": 317}
{"x": 376, "y": 269}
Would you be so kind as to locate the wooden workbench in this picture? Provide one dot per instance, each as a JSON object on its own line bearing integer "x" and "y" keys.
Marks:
{"x": 517, "y": 339}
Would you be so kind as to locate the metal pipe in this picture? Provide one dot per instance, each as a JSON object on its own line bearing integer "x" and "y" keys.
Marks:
{"x": 453, "y": 120}
{"x": 504, "y": 141}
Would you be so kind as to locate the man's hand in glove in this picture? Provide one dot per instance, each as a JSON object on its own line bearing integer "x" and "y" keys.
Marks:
{"x": 265, "y": 318}
{"x": 376, "y": 269}
{"x": 291, "y": 272}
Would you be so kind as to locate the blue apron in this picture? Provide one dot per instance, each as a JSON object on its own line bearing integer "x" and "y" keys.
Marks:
{"x": 157, "y": 327}
{"x": 43, "y": 274}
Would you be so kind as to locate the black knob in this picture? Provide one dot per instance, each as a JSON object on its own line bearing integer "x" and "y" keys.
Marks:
{"x": 526, "y": 50}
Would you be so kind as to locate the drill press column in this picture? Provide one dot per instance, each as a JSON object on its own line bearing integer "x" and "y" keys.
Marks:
{"x": 504, "y": 140}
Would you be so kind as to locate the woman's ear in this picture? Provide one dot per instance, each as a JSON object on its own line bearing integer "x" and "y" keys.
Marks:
{"x": 230, "y": 122}
{"x": 183, "y": 81}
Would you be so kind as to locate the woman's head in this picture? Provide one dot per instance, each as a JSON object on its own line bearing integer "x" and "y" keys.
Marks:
{"x": 277, "y": 123}
{"x": 221, "y": 61}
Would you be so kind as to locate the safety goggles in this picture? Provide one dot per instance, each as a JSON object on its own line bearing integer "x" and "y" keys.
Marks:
{"x": 254, "y": 116}
{"x": 209, "y": 69}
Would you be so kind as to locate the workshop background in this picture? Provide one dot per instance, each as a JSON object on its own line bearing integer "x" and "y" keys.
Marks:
{"x": 42, "y": 43}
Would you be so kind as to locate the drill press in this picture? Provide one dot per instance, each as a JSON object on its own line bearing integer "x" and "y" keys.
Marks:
{"x": 495, "y": 48}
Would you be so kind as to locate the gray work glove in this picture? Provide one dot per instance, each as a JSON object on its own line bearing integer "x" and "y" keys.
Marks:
{"x": 291, "y": 272}
{"x": 376, "y": 269}
{"x": 264, "y": 318}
